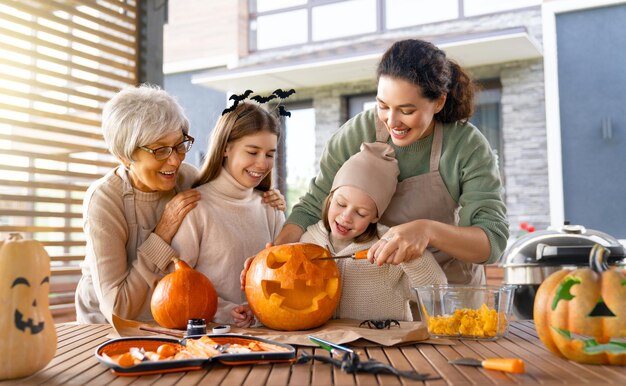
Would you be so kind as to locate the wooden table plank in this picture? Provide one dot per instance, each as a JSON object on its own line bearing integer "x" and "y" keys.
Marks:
{"x": 258, "y": 374}
{"x": 378, "y": 354}
{"x": 449, "y": 373}
{"x": 560, "y": 366}
{"x": 471, "y": 373}
{"x": 467, "y": 350}
{"x": 236, "y": 374}
{"x": 190, "y": 378}
{"x": 399, "y": 361}
{"x": 301, "y": 374}
{"x": 280, "y": 374}
{"x": 321, "y": 373}
{"x": 75, "y": 363}
{"x": 95, "y": 375}
{"x": 340, "y": 377}
{"x": 421, "y": 364}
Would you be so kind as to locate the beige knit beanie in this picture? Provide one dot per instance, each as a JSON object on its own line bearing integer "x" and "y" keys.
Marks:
{"x": 374, "y": 170}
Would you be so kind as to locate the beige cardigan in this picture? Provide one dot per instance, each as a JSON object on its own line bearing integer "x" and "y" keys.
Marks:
{"x": 123, "y": 258}
{"x": 230, "y": 224}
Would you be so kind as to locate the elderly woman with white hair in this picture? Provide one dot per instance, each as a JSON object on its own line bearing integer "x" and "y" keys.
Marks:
{"x": 133, "y": 212}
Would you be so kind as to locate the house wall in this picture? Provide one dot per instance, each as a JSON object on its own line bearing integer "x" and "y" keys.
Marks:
{"x": 524, "y": 158}
{"x": 523, "y": 119}
{"x": 200, "y": 34}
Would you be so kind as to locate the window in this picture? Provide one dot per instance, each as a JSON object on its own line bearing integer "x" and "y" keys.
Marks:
{"x": 406, "y": 13}
{"x": 481, "y": 7}
{"x": 330, "y": 21}
{"x": 283, "y": 23}
{"x": 281, "y": 29}
{"x": 358, "y": 103}
{"x": 60, "y": 63}
{"x": 296, "y": 158}
{"x": 487, "y": 115}
{"x": 271, "y": 5}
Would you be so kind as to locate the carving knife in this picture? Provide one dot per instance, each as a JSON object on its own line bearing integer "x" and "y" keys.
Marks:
{"x": 509, "y": 365}
{"x": 360, "y": 255}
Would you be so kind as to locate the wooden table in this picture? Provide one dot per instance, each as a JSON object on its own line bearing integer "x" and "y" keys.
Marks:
{"x": 75, "y": 363}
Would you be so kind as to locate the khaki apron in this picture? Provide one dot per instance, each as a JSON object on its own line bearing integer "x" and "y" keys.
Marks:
{"x": 426, "y": 197}
{"x": 137, "y": 235}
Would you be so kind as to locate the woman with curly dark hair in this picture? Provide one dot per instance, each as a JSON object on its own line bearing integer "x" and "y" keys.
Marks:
{"x": 449, "y": 194}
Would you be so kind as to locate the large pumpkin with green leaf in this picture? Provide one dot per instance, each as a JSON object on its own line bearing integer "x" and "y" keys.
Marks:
{"x": 28, "y": 338}
{"x": 581, "y": 314}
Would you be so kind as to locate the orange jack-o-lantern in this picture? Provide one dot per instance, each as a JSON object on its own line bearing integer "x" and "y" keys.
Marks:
{"x": 28, "y": 337}
{"x": 581, "y": 314}
{"x": 288, "y": 289}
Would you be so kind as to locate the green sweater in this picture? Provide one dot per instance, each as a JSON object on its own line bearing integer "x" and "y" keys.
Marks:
{"x": 467, "y": 167}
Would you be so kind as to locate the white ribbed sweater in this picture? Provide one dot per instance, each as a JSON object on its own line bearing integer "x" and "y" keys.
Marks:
{"x": 230, "y": 224}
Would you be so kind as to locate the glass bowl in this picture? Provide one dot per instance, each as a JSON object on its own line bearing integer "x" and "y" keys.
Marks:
{"x": 465, "y": 311}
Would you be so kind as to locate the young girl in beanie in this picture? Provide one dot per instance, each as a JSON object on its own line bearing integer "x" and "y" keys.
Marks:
{"x": 360, "y": 193}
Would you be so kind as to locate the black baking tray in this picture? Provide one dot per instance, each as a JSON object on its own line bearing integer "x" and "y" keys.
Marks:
{"x": 122, "y": 345}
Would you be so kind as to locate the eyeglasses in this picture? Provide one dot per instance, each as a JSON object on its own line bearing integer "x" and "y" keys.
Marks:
{"x": 163, "y": 153}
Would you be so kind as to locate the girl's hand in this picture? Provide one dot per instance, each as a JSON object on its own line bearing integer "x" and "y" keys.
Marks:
{"x": 244, "y": 272}
{"x": 246, "y": 266}
{"x": 275, "y": 198}
{"x": 174, "y": 213}
{"x": 401, "y": 243}
{"x": 243, "y": 316}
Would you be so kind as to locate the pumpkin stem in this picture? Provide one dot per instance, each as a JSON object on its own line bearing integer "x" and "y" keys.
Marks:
{"x": 14, "y": 236}
{"x": 175, "y": 259}
{"x": 598, "y": 257}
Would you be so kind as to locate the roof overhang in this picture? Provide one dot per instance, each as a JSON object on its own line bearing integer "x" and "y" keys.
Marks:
{"x": 468, "y": 50}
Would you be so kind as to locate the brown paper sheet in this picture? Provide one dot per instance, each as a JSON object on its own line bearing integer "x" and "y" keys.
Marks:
{"x": 339, "y": 331}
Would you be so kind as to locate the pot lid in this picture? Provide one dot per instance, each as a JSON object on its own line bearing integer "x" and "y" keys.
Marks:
{"x": 568, "y": 245}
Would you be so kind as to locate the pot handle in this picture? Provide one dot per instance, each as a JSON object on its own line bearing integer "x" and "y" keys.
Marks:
{"x": 573, "y": 255}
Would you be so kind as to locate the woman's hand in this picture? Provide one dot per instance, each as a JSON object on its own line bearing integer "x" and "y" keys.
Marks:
{"x": 275, "y": 198}
{"x": 174, "y": 213}
{"x": 290, "y": 233}
{"x": 243, "y": 316}
{"x": 408, "y": 241}
{"x": 401, "y": 243}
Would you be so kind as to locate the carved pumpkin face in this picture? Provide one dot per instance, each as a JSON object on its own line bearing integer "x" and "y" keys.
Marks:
{"x": 288, "y": 289}
{"x": 26, "y": 324}
{"x": 581, "y": 314}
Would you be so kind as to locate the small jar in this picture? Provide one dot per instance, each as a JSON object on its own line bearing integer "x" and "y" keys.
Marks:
{"x": 196, "y": 327}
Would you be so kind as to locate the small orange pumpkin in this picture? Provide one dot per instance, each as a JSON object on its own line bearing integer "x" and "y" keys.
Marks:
{"x": 182, "y": 295}
{"x": 288, "y": 289}
{"x": 28, "y": 338}
{"x": 581, "y": 314}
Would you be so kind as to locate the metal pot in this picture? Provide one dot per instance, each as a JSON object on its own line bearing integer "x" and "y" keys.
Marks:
{"x": 535, "y": 256}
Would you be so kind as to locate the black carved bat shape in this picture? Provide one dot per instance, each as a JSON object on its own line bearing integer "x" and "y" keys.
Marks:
{"x": 261, "y": 99}
{"x": 284, "y": 94}
{"x": 283, "y": 112}
{"x": 236, "y": 98}
{"x": 240, "y": 97}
